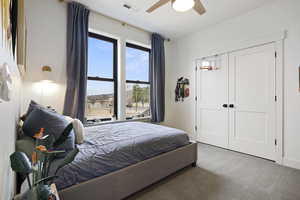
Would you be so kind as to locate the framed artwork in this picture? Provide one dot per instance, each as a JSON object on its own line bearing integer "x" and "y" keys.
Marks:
{"x": 5, "y": 24}
{"x": 1, "y": 24}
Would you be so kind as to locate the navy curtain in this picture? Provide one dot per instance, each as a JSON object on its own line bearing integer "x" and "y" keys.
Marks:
{"x": 14, "y": 23}
{"x": 77, "y": 50}
{"x": 157, "y": 78}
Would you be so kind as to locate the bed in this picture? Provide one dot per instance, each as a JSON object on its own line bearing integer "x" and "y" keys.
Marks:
{"x": 117, "y": 160}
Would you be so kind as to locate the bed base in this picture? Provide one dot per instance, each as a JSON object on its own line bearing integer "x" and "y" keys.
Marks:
{"x": 127, "y": 181}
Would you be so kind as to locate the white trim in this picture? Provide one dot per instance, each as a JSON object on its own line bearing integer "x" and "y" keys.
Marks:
{"x": 278, "y": 40}
{"x": 257, "y": 41}
{"x": 142, "y": 119}
{"x": 280, "y": 98}
{"x": 291, "y": 163}
{"x": 122, "y": 80}
{"x": 196, "y": 101}
{"x": 139, "y": 44}
{"x": 104, "y": 34}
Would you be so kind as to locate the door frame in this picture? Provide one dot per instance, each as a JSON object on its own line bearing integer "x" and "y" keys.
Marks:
{"x": 278, "y": 40}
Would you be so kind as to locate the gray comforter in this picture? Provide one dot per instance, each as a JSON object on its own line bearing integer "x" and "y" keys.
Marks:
{"x": 108, "y": 148}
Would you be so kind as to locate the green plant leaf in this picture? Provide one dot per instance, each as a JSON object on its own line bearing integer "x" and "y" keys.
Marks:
{"x": 49, "y": 178}
{"x": 55, "y": 152}
{"x": 68, "y": 159}
{"x": 64, "y": 136}
{"x": 20, "y": 163}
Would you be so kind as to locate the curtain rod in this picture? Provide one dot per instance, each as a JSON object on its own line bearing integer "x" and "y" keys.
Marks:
{"x": 117, "y": 20}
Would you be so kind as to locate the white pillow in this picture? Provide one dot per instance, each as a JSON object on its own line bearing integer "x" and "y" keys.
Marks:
{"x": 69, "y": 119}
{"x": 78, "y": 129}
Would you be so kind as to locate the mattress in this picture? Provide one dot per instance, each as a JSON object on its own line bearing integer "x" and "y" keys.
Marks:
{"x": 111, "y": 147}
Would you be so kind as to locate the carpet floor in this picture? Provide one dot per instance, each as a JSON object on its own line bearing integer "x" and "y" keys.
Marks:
{"x": 226, "y": 175}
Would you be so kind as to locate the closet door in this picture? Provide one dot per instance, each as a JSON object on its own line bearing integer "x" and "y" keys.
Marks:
{"x": 212, "y": 98}
{"x": 252, "y": 101}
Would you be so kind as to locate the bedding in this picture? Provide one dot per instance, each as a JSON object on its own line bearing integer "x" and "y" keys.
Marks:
{"x": 110, "y": 147}
{"x": 53, "y": 123}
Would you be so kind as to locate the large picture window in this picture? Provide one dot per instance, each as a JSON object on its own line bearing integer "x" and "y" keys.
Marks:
{"x": 137, "y": 81}
{"x": 101, "y": 104}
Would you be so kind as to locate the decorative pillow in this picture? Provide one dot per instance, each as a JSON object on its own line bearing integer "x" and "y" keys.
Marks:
{"x": 33, "y": 105}
{"x": 53, "y": 123}
{"x": 69, "y": 119}
{"x": 79, "y": 131}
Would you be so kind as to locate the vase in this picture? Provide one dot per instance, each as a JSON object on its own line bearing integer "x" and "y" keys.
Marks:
{"x": 39, "y": 192}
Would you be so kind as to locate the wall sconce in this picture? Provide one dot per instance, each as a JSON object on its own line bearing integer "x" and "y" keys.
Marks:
{"x": 46, "y": 73}
{"x": 46, "y": 68}
{"x": 46, "y": 86}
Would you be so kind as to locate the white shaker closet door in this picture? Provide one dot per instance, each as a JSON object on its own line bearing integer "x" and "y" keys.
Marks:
{"x": 212, "y": 94}
{"x": 252, "y": 101}
{"x": 236, "y": 102}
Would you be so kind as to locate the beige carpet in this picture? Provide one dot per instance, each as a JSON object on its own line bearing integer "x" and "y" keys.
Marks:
{"x": 227, "y": 175}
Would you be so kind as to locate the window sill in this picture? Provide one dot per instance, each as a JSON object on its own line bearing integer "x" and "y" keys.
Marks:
{"x": 144, "y": 119}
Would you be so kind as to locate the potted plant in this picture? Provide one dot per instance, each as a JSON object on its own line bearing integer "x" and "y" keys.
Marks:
{"x": 39, "y": 166}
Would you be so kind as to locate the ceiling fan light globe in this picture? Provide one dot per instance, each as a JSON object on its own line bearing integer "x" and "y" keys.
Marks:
{"x": 183, "y": 5}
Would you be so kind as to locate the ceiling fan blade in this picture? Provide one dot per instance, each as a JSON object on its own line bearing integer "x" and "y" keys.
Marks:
{"x": 199, "y": 8}
{"x": 157, "y": 5}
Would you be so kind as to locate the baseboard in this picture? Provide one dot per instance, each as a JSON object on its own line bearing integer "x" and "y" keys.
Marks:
{"x": 291, "y": 163}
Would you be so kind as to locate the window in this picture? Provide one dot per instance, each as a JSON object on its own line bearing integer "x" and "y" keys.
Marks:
{"x": 137, "y": 81}
{"x": 101, "y": 104}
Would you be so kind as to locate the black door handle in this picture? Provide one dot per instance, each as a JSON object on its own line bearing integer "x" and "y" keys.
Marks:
{"x": 225, "y": 106}
{"x": 231, "y": 106}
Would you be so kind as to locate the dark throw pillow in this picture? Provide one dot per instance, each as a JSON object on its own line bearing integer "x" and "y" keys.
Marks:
{"x": 53, "y": 123}
{"x": 33, "y": 105}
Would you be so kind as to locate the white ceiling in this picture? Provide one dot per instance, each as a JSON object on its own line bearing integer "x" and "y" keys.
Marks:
{"x": 169, "y": 22}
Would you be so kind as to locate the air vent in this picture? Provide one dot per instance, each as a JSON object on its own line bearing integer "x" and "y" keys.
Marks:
{"x": 127, "y": 6}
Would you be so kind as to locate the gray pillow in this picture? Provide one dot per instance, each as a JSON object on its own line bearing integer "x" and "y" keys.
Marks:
{"x": 53, "y": 123}
{"x": 33, "y": 105}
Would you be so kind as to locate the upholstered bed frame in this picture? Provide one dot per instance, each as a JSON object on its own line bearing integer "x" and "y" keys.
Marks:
{"x": 122, "y": 183}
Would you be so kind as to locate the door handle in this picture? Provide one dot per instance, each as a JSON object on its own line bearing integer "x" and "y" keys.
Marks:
{"x": 225, "y": 106}
{"x": 231, "y": 106}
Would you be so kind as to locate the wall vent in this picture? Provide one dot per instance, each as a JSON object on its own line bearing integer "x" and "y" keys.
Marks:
{"x": 127, "y": 6}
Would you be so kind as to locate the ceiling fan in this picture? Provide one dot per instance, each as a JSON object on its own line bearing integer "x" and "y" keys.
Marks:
{"x": 180, "y": 5}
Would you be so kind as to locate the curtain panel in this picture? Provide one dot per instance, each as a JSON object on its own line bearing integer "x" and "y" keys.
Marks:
{"x": 77, "y": 50}
{"x": 157, "y": 78}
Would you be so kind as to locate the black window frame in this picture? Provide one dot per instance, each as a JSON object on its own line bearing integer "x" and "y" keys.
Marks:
{"x": 138, "y": 47}
{"x": 134, "y": 46}
{"x": 114, "y": 79}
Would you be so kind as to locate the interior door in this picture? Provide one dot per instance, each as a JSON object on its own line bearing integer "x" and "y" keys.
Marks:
{"x": 212, "y": 97}
{"x": 252, "y": 101}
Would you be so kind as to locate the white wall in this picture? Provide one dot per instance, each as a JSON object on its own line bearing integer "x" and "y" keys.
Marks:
{"x": 46, "y": 45}
{"x": 272, "y": 18}
{"x": 9, "y": 116}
